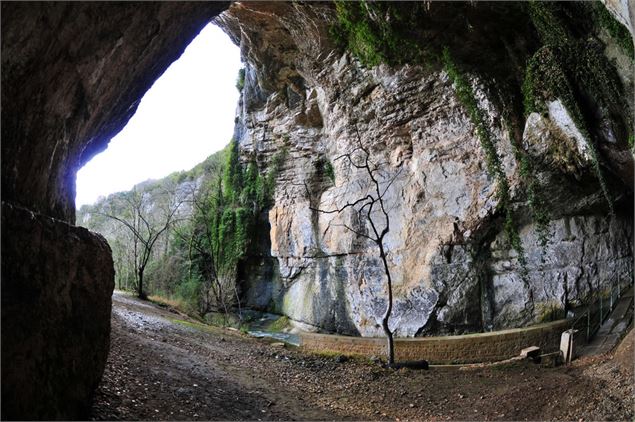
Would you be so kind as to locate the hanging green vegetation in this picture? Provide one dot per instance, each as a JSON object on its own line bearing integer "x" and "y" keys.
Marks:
{"x": 224, "y": 225}
{"x": 546, "y": 21}
{"x": 200, "y": 255}
{"x": 324, "y": 169}
{"x": 537, "y": 203}
{"x": 564, "y": 60}
{"x": 465, "y": 93}
{"x": 547, "y": 80}
{"x": 240, "y": 80}
{"x": 329, "y": 171}
{"x": 238, "y": 201}
{"x": 376, "y": 32}
{"x": 618, "y": 31}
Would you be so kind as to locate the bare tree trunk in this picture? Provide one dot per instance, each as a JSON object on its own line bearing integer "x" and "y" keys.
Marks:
{"x": 364, "y": 205}
{"x": 240, "y": 311}
{"x": 222, "y": 298}
{"x": 189, "y": 257}
{"x": 387, "y": 314}
{"x": 140, "y": 293}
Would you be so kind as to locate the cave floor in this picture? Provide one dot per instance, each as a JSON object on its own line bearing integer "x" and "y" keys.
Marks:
{"x": 162, "y": 369}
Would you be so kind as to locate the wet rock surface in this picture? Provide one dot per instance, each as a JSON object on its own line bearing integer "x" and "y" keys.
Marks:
{"x": 57, "y": 281}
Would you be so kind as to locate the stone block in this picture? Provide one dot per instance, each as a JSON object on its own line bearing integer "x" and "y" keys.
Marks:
{"x": 530, "y": 352}
{"x": 57, "y": 283}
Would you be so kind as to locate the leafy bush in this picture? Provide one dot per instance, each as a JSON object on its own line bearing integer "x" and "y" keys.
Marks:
{"x": 240, "y": 80}
{"x": 189, "y": 292}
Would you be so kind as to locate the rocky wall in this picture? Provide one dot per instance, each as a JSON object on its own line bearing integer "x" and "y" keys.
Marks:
{"x": 57, "y": 282}
{"x": 446, "y": 350}
{"x": 453, "y": 268}
{"x": 72, "y": 76}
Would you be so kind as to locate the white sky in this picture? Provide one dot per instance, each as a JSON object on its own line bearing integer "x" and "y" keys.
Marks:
{"x": 183, "y": 118}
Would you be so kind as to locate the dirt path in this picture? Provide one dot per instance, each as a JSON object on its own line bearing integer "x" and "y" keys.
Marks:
{"x": 163, "y": 370}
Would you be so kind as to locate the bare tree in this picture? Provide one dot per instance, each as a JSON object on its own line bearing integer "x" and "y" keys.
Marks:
{"x": 146, "y": 224}
{"x": 372, "y": 210}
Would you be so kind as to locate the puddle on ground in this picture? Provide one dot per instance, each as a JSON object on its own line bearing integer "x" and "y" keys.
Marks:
{"x": 258, "y": 324}
{"x": 289, "y": 338}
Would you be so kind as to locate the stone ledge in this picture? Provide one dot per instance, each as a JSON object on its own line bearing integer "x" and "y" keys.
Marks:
{"x": 468, "y": 348}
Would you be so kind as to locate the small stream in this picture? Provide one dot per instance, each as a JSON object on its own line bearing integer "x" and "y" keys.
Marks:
{"x": 289, "y": 338}
{"x": 260, "y": 321}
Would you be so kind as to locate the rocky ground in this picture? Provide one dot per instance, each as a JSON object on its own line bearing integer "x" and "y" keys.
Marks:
{"x": 161, "y": 369}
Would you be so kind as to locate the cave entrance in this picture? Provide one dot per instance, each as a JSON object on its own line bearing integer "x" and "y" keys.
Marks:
{"x": 140, "y": 191}
{"x": 185, "y": 116}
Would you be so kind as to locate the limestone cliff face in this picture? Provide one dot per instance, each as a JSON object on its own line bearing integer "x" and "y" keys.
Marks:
{"x": 452, "y": 265}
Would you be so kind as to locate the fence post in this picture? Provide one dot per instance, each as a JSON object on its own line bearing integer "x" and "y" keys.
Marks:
{"x": 588, "y": 324}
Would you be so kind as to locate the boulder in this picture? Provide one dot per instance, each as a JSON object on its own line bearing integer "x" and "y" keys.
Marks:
{"x": 57, "y": 283}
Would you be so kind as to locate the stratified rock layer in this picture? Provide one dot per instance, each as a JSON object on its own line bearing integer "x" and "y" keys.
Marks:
{"x": 57, "y": 281}
{"x": 452, "y": 265}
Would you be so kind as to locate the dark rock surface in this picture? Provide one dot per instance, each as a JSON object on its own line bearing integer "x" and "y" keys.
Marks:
{"x": 57, "y": 282}
{"x": 72, "y": 76}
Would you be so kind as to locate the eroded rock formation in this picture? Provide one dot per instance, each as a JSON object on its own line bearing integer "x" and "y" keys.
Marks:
{"x": 72, "y": 76}
{"x": 453, "y": 267}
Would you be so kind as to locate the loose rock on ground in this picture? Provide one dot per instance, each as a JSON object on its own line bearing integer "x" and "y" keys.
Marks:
{"x": 161, "y": 369}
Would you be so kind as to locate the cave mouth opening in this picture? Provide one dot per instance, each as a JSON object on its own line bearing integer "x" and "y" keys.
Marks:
{"x": 185, "y": 116}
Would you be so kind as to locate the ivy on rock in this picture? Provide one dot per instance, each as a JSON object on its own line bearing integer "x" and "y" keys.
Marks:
{"x": 536, "y": 53}
{"x": 465, "y": 93}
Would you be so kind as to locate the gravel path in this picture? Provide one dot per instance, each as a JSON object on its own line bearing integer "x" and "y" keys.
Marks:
{"x": 161, "y": 369}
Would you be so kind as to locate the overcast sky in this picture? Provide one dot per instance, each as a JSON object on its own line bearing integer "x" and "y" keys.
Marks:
{"x": 183, "y": 118}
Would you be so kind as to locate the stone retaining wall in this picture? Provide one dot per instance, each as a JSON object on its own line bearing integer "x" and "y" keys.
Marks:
{"x": 469, "y": 348}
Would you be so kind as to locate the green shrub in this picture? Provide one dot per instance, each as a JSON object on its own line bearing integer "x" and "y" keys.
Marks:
{"x": 240, "y": 80}
{"x": 329, "y": 171}
{"x": 189, "y": 292}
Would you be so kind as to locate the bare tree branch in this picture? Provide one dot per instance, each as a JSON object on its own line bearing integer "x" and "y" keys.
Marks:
{"x": 360, "y": 158}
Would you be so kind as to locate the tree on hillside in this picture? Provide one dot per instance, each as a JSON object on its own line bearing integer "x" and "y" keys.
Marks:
{"x": 373, "y": 220}
{"x": 218, "y": 233}
{"x": 211, "y": 262}
{"x": 147, "y": 216}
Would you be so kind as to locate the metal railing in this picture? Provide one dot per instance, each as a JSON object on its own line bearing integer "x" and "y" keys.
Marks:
{"x": 600, "y": 304}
